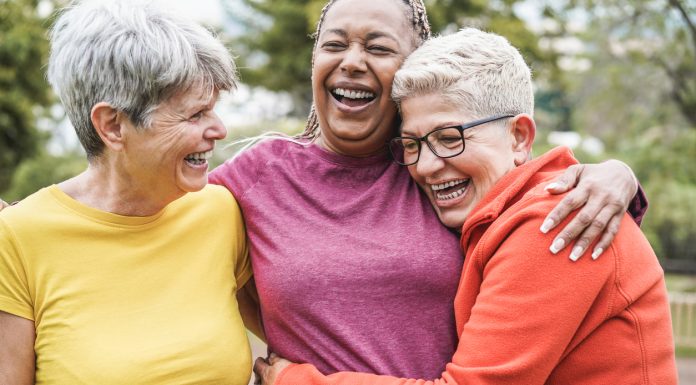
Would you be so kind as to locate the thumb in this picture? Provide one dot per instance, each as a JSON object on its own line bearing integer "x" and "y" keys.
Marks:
{"x": 260, "y": 366}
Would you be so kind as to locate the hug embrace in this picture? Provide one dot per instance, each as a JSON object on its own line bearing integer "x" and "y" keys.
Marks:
{"x": 406, "y": 234}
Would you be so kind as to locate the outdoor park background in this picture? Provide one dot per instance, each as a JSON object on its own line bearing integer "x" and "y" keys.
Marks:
{"x": 614, "y": 79}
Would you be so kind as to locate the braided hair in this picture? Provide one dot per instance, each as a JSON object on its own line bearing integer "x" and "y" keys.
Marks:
{"x": 420, "y": 23}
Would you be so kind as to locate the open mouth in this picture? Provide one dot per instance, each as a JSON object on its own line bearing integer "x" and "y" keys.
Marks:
{"x": 198, "y": 158}
{"x": 450, "y": 190}
{"x": 353, "y": 98}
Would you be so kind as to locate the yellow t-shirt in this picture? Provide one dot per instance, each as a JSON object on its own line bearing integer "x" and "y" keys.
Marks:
{"x": 129, "y": 300}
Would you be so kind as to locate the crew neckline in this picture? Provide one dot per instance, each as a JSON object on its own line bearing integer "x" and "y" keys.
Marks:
{"x": 346, "y": 160}
{"x": 99, "y": 215}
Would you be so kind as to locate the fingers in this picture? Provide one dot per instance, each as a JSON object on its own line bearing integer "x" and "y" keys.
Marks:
{"x": 570, "y": 202}
{"x": 260, "y": 367}
{"x": 266, "y": 370}
{"x": 566, "y": 181}
{"x": 598, "y": 226}
{"x": 585, "y": 218}
{"x": 608, "y": 236}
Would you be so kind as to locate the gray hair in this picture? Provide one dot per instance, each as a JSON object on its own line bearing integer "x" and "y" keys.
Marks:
{"x": 475, "y": 70}
{"x": 134, "y": 57}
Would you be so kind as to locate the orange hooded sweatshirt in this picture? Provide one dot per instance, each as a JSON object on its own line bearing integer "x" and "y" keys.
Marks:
{"x": 526, "y": 316}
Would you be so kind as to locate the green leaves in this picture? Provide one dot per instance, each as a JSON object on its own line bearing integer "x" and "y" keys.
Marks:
{"x": 23, "y": 90}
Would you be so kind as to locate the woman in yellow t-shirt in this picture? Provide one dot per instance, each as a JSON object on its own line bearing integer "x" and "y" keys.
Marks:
{"x": 126, "y": 274}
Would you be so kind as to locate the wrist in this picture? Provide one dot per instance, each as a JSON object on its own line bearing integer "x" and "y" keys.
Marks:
{"x": 630, "y": 172}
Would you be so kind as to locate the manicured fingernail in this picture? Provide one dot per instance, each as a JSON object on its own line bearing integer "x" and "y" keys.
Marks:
{"x": 576, "y": 253}
{"x": 557, "y": 245}
{"x": 597, "y": 252}
{"x": 551, "y": 186}
{"x": 546, "y": 226}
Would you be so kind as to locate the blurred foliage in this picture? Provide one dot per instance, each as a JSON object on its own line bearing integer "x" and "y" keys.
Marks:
{"x": 622, "y": 72}
{"x": 634, "y": 86}
{"x": 276, "y": 49}
{"x": 23, "y": 90}
{"x": 44, "y": 170}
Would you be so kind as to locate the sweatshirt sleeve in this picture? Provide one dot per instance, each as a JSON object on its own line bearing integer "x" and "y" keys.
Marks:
{"x": 530, "y": 306}
{"x": 638, "y": 206}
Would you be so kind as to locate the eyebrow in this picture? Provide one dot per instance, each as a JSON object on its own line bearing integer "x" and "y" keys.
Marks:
{"x": 370, "y": 35}
{"x": 437, "y": 127}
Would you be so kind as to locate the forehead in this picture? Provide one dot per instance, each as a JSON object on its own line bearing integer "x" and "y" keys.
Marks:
{"x": 194, "y": 97}
{"x": 370, "y": 15}
{"x": 423, "y": 113}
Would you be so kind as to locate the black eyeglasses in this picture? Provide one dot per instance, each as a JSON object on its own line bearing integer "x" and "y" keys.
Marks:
{"x": 444, "y": 142}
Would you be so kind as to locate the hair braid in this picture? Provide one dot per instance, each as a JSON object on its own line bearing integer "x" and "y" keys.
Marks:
{"x": 419, "y": 20}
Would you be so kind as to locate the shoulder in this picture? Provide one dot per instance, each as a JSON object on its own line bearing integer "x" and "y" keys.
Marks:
{"x": 30, "y": 209}
{"x": 245, "y": 168}
{"x": 258, "y": 155}
{"x": 211, "y": 198}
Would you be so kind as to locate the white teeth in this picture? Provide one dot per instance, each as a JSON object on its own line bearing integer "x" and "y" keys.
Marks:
{"x": 200, "y": 155}
{"x": 451, "y": 195}
{"x": 442, "y": 186}
{"x": 353, "y": 94}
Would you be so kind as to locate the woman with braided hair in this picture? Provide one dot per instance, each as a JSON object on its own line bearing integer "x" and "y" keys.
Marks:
{"x": 347, "y": 276}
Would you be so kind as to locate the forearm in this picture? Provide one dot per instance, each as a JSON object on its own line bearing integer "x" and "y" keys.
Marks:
{"x": 248, "y": 300}
{"x": 17, "y": 359}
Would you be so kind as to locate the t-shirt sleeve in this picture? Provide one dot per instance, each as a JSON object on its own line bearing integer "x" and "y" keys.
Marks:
{"x": 14, "y": 292}
{"x": 242, "y": 264}
{"x": 241, "y": 172}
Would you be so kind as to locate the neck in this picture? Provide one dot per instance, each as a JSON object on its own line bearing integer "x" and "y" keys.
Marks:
{"x": 106, "y": 189}
{"x": 357, "y": 150}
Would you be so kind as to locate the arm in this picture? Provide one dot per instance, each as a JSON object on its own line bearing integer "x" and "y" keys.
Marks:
{"x": 604, "y": 191}
{"x": 526, "y": 317}
{"x": 248, "y": 300}
{"x": 16, "y": 350}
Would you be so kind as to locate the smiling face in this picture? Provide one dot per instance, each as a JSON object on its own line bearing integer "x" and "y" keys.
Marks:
{"x": 456, "y": 185}
{"x": 360, "y": 47}
{"x": 170, "y": 158}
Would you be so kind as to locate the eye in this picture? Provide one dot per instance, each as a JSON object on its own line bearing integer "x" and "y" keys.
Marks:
{"x": 379, "y": 49}
{"x": 197, "y": 116}
{"x": 333, "y": 45}
{"x": 409, "y": 145}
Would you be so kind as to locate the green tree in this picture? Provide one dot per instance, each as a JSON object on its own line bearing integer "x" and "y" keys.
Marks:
{"x": 642, "y": 36}
{"x": 23, "y": 90}
{"x": 636, "y": 90}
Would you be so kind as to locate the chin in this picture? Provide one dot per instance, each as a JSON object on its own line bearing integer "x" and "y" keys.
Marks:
{"x": 452, "y": 223}
{"x": 193, "y": 186}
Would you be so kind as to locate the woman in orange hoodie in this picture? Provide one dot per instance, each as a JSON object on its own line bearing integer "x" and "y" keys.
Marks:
{"x": 523, "y": 316}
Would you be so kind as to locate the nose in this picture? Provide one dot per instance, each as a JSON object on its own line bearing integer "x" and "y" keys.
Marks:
{"x": 216, "y": 129}
{"x": 354, "y": 59}
{"x": 428, "y": 163}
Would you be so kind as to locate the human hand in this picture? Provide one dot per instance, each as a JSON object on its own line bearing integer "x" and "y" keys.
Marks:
{"x": 267, "y": 370}
{"x": 604, "y": 192}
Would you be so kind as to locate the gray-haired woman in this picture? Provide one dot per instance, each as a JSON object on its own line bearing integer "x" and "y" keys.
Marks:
{"x": 126, "y": 273}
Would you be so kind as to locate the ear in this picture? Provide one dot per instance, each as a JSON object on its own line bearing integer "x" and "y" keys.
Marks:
{"x": 523, "y": 133}
{"x": 107, "y": 122}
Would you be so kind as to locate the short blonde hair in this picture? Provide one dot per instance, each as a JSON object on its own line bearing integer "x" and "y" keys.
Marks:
{"x": 475, "y": 70}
